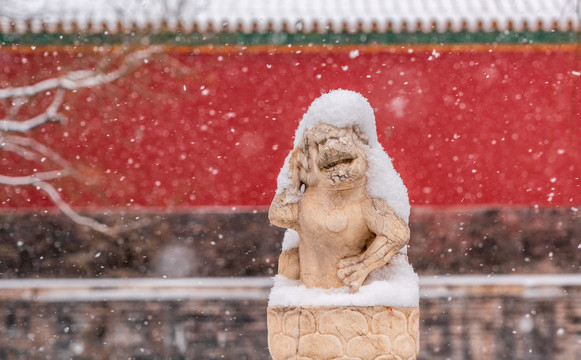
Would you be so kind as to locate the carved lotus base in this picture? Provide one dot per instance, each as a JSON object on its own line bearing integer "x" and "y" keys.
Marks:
{"x": 343, "y": 332}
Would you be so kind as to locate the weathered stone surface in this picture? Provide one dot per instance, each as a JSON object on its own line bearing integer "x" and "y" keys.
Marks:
{"x": 344, "y": 233}
{"x": 307, "y": 322}
{"x": 290, "y": 323}
{"x": 298, "y": 322}
{"x": 390, "y": 322}
{"x": 406, "y": 346}
{"x": 369, "y": 347}
{"x": 320, "y": 346}
{"x": 286, "y": 346}
{"x": 333, "y": 322}
{"x": 274, "y": 322}
{"x": 354, "y": 332}
{"x": 414, "y": 327}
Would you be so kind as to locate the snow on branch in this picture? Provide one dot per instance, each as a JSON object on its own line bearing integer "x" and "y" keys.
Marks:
{"x": 32, "y": 150}
{"x": 72, "y": 214}
{"x": 31, "y": 179}
{"x": 50, "y": 114}
{"x": 82, "y": 78}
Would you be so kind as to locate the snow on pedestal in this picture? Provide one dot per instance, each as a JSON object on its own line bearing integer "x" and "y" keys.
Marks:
{"x": 345, "y": 288}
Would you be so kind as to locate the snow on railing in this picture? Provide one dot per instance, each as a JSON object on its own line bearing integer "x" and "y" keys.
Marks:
{"x": 258, "y": 288}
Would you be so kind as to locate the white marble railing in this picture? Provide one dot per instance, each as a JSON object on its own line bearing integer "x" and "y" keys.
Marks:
{"x": 81, "y": 290}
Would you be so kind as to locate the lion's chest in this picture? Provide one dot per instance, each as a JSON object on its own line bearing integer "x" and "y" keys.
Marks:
{"x": 334, "y": 222}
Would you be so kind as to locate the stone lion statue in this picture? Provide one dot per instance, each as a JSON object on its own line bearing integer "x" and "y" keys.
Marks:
{"x": 336, "y": 192}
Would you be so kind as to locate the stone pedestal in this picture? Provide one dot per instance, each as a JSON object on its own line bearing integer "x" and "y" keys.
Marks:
{"x": 346, "y": 210}
{"x": 343, "y": 332}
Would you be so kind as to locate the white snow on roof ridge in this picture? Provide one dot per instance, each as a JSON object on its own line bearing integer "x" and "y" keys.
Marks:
{"x": 298, "y": 15}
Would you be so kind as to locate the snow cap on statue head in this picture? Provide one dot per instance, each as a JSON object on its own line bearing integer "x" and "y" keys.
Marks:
{"x": 340, "y": 108}
{"x": 343, "y": 108}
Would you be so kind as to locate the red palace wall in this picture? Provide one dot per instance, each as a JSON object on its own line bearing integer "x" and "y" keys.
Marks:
{"x": 198, "y": 127}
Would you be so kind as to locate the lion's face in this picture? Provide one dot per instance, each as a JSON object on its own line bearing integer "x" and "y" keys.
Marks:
{"x": 335, "y": 155}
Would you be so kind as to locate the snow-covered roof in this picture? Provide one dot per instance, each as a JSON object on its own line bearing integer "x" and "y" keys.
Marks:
{"x": 292, "y": 16}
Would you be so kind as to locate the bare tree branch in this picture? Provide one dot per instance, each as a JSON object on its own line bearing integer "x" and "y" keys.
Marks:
{"x": 82, "y": 78}
{"x": 18, "y": 145}
{"x": 16, "y": 104}
{"x": 32, "y": 179}
{"x": 39, "y": 181}
{"x": 30, "y": 149}
{"x": 20, "y": 151}
{"x": 50, "y": 114}
{"x": 72, "y": 214}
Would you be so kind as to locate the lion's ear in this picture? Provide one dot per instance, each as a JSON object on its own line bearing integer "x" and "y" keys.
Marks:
{"x": 361, "y": 135}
